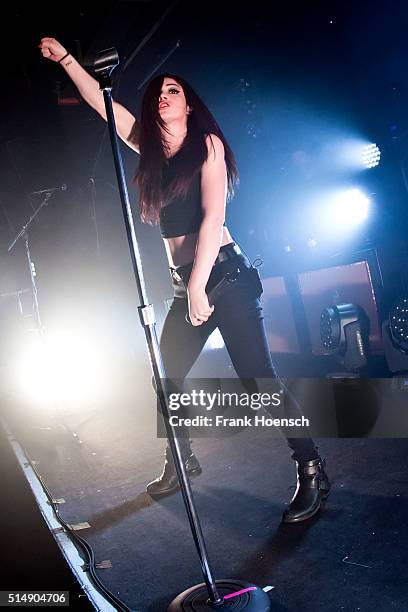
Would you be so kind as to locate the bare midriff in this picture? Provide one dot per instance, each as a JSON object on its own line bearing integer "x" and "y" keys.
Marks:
{"x": 181, "y": 249}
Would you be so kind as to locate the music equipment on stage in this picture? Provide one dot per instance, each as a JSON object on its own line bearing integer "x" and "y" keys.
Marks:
{"x": 293, "y": 306}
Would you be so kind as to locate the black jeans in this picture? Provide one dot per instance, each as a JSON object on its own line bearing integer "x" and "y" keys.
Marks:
{"x": 238, "y": 315}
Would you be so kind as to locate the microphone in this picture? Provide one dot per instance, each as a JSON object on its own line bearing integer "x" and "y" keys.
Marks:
{"x": 50, "y": 190}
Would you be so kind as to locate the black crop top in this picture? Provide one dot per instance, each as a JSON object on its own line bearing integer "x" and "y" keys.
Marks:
{"x": 183, "y": 215}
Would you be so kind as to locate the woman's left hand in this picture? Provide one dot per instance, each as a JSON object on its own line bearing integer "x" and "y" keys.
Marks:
{"x": 199, "y": 309}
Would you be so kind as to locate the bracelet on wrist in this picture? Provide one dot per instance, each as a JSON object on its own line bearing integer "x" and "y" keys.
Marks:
{"x": 62, "y": 58}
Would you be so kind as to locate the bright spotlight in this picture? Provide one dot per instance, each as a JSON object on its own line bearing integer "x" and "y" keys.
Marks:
{"x": 370, "y": 155}
{"x": 350, "y": 207}
{"x": 354, "y": 154}
{"x": 60, "y": 367}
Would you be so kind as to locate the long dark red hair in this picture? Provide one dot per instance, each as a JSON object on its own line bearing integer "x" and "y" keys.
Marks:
{"x": 192, "y": 155}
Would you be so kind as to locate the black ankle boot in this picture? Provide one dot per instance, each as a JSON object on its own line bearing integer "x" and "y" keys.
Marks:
{"x": 312, "y": 489}
{"x": 168, "y": 483}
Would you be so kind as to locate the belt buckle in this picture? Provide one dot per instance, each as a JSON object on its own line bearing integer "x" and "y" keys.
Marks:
{"x": 176, "y": 276}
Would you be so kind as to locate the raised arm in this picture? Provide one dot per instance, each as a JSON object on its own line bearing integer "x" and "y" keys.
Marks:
{"x": 127, "y": 125}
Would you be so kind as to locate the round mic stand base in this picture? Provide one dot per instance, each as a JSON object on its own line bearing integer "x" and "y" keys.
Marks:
{"x": 237, "y": 595}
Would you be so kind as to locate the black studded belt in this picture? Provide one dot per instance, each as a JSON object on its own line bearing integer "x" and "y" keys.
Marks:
{"x": 226, "y": 252}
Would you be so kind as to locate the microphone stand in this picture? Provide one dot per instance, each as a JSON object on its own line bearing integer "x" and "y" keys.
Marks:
{"x": 23, "y": 235}
{"x": 220, "y": 594}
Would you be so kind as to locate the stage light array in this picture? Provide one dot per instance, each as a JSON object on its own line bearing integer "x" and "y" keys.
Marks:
{"x": 399, "y": 324}
{"x": 370, "y": 155}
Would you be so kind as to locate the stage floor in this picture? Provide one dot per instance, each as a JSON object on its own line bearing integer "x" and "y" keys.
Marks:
{"x": 351, "y": 556}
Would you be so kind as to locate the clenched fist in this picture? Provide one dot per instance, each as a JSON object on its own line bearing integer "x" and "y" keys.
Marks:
{"x": 52, "y": 49}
